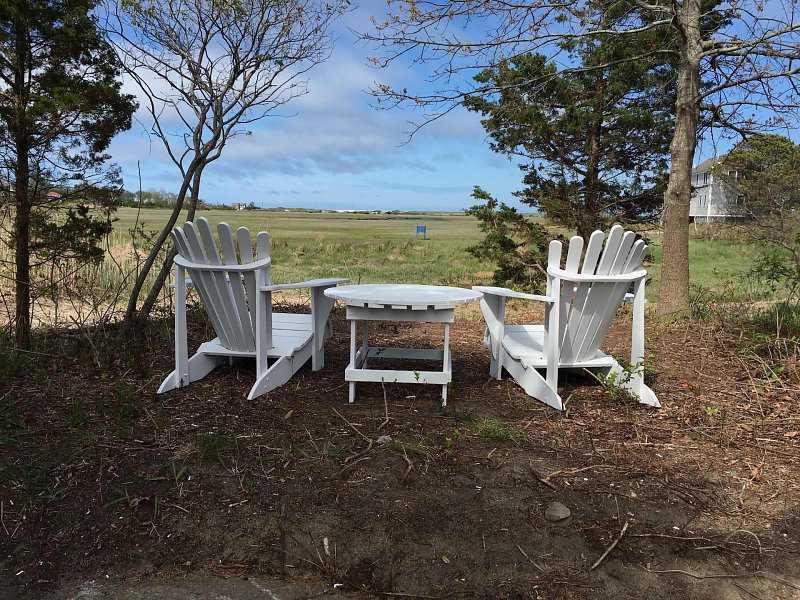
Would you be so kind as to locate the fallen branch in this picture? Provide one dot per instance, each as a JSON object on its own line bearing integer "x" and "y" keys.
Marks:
{"x": 529, "y": 558}
{"x": 410, "y": 466}
{"x": 539, "y": 478}
{"x": 353, "y": 427}
{"x": 385, "y": 406}
{"x": 359, "y": 455}
{"x": 613, "y": 545}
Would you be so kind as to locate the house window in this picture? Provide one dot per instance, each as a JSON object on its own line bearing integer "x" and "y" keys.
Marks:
{"x": 733, "y": 175}
{"x": 702, "y": 200}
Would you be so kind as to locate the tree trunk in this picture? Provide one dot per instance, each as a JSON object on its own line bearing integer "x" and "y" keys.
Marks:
{"x": 673, "y": 295}
{"x": 133, "y": 320}
{"x": 163, "y": 274}
{"x": 22, "y": 257}
{"x": 588, "y": 221}
{"x": 22, "y": 218}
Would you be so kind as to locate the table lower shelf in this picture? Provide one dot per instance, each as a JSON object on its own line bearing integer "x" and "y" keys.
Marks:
{"x": 359, "y": 371}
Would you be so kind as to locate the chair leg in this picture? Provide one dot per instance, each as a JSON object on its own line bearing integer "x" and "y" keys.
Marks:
{"x": 279, "y": 373}
{"x": 633, "y": 383}
{"x": 198, "y": 366}
{"x": 533, "y": 383}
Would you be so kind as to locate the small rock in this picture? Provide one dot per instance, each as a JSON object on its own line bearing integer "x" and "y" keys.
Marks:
{"x": 556, "y": 512}
{"x": 383, "y": 439}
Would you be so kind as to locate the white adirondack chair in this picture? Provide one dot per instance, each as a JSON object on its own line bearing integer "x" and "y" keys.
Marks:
{"x": 580, "y": 303}
{"x": 236, "y": 293}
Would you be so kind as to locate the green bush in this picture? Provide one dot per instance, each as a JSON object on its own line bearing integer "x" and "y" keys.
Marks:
{"x": 517, "y": 245}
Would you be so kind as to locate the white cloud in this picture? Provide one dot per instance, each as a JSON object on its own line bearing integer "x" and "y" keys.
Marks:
{"x": 332, "y": 148}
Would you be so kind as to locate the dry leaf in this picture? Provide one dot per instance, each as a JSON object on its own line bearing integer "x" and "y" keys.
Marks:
{"x": 791, "y": 434}
{"x": 445, "y": 560}
{"x": 288, "y": 415}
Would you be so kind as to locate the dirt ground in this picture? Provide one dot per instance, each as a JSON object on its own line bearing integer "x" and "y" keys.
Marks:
{"x": 393, "y": 497}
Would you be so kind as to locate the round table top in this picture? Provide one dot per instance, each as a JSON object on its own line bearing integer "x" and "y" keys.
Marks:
{"x": 390, "y": 294}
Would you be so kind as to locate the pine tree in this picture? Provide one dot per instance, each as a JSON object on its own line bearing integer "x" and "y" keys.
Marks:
{"x": 595, "y": 136}
{"x": 60, "y": 106}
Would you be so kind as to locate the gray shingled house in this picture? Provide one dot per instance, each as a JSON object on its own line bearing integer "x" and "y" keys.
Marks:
{"x": 713, "y": 199}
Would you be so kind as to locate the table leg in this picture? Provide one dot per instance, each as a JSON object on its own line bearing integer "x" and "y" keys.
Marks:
{"x": 364, "y": 342}
{"x": 353, "y": 340}
{"x": 446, "y": 362}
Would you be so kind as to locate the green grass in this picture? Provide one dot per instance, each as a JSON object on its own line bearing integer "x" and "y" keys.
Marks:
{"x": 366, "y": 248}
{"x": 371, "y": 248}
{"x": 496, "y": 431}
{"x": 712, "y": 263}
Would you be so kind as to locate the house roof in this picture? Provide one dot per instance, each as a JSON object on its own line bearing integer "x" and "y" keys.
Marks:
{"x": 707, "y": 165}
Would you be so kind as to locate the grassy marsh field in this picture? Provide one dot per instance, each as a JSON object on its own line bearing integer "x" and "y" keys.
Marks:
{"x": 372, "y": 248}
{"x": 366, "y": 248}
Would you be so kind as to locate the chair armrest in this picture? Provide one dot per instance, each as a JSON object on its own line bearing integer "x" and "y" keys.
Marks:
{"x": 251, "y": 266}
{"x": 311, "y": 283}
{"x": 507, "y": 293}
{"x": 581, "y": 278}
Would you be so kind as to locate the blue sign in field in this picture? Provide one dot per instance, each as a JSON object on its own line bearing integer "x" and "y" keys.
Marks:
{"x": 421, "y": 231}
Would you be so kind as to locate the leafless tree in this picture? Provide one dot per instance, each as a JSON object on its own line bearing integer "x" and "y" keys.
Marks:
{"x": 736, "y": 60}
{"x": 207, "y": 69}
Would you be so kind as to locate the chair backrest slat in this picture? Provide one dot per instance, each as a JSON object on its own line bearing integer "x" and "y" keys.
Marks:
{"x": 589, "y": 307}
{"x": 572, "y": 333}
{"x": 262, "y": 243}
{"x": 604, "y": 298}
{"x": 221, "y": 292}
{"x": 227, "y": 296}
{"x": 571, "y": 265}
{"x": 245, "y": 245}
{"x": 633, "y": 262}
{"x": 237, "y": 287}
{"x": 188, "y": 247}
{"x": 246, "y": 255}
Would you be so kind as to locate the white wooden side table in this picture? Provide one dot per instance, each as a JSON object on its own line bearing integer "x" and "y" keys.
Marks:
{"x": 399, "y": 302}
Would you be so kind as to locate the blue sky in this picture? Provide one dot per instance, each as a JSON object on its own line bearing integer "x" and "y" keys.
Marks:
{"x": 331, "y": 149}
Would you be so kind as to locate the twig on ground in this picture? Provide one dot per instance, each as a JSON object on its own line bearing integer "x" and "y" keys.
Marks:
{"x": 353, "y": 427}
{"x": 529, "y": 558}
{"x": 539, "y": 478}
{"x": 758, "y": 541}
{"x": 746, "y": 591}
{"x": 356, "y": 457}
{"x": 178, "y": 507}
{"x": 402, "y": 595}
{"x": 613, "y": 545}
{"x": 152, "y": 419}
{"x": 410, "y": 466}
{"x": 385, "y": 406}
{"x": 571, "y": 471}
{"x": 3, "y": 519}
